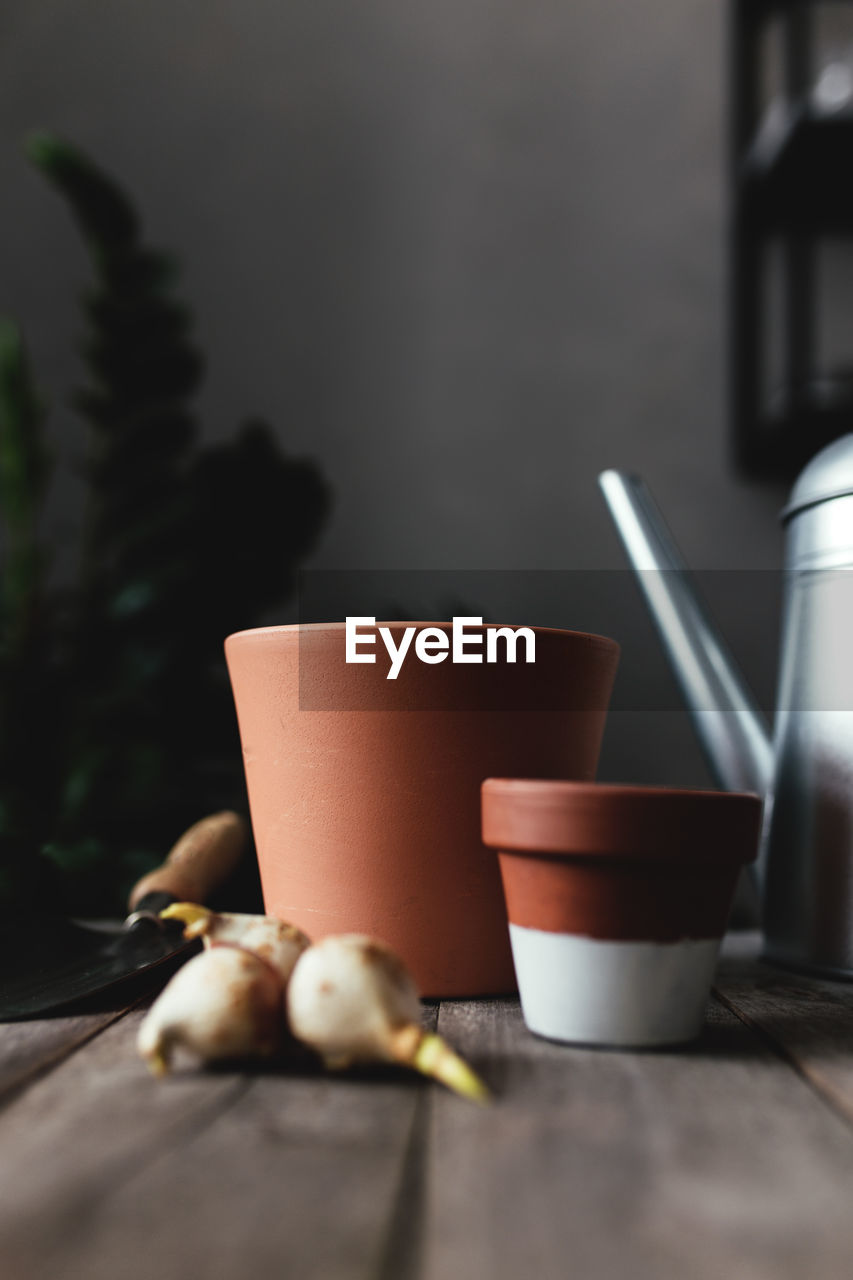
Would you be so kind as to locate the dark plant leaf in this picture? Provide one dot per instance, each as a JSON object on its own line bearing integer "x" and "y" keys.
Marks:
{"x": 120, "y": 693}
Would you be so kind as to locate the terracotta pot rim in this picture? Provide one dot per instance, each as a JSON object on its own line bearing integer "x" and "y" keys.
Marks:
{"x": 566, "y": 820}
{"x": 625, "y": 858}
{"x": 555, "y": 787}
{"x": 294, "y": 628}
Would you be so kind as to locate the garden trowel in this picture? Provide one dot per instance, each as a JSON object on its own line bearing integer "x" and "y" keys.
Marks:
{"x": 73, "y": 960}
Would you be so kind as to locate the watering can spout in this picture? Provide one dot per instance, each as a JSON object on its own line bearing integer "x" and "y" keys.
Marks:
{"x": 728, "y": 721}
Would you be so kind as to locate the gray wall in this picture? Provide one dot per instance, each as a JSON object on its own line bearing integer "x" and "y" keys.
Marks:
{"x": 465, "y": 253}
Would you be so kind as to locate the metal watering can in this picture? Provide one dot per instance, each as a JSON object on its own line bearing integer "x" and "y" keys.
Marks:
{"x": 805, "y": 770}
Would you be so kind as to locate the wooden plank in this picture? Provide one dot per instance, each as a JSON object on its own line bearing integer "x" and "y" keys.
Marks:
{"x": 83, "y": 1128}
{"x": 809, "y": 1020}
{"x": 27, "y": 1049}
{"x": 281, "y": 1172}
{"x": 30, "y": 1047}
{"x": 298, "y": 1177}
{"x": 708, "y": 1162}
{"x": 715, "y": 1161}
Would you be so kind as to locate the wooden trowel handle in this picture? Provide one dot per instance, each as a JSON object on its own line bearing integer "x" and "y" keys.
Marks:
{"x": 199, "y": 863}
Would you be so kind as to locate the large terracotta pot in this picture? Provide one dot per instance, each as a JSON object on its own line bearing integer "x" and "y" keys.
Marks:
{"x": 365, "y": 791}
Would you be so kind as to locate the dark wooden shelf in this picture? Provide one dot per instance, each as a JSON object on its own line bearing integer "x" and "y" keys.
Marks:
{"x": 783, "y": 441}
{"x": 797, "y": 176}
{"x": 790, "y": 191}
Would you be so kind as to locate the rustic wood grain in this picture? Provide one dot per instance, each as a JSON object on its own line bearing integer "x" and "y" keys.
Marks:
{"x": 808, "y": 1020}
{"x": 280, "y": 1172}
{"x": 27, "y": 1049}
{"x": 712, "y": 1162}
{"x": 80, "y": 1131}
{"x": 723, "y": 1160}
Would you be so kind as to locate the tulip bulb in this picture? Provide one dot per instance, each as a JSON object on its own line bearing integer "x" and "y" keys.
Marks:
{"x": 351, "y": 999}
{"x": 223, "y": 1003}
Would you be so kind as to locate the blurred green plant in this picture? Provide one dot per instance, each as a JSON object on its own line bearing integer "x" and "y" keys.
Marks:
{"x": 116, "y": 723}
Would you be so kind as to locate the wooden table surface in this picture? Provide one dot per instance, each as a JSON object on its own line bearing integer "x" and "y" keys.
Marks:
{"x": 731, "y": 1159}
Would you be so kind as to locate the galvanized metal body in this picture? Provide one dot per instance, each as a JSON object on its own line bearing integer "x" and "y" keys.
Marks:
{"x": 805, "y": 869}
{"x": 808, "y": 862}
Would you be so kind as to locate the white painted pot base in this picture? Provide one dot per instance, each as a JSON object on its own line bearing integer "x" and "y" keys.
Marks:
{"x": 620, "y": 994}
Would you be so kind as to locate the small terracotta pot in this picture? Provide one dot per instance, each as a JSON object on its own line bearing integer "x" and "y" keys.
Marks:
{"x": 365, "y": 792}
{"x": 617, "y": 900}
